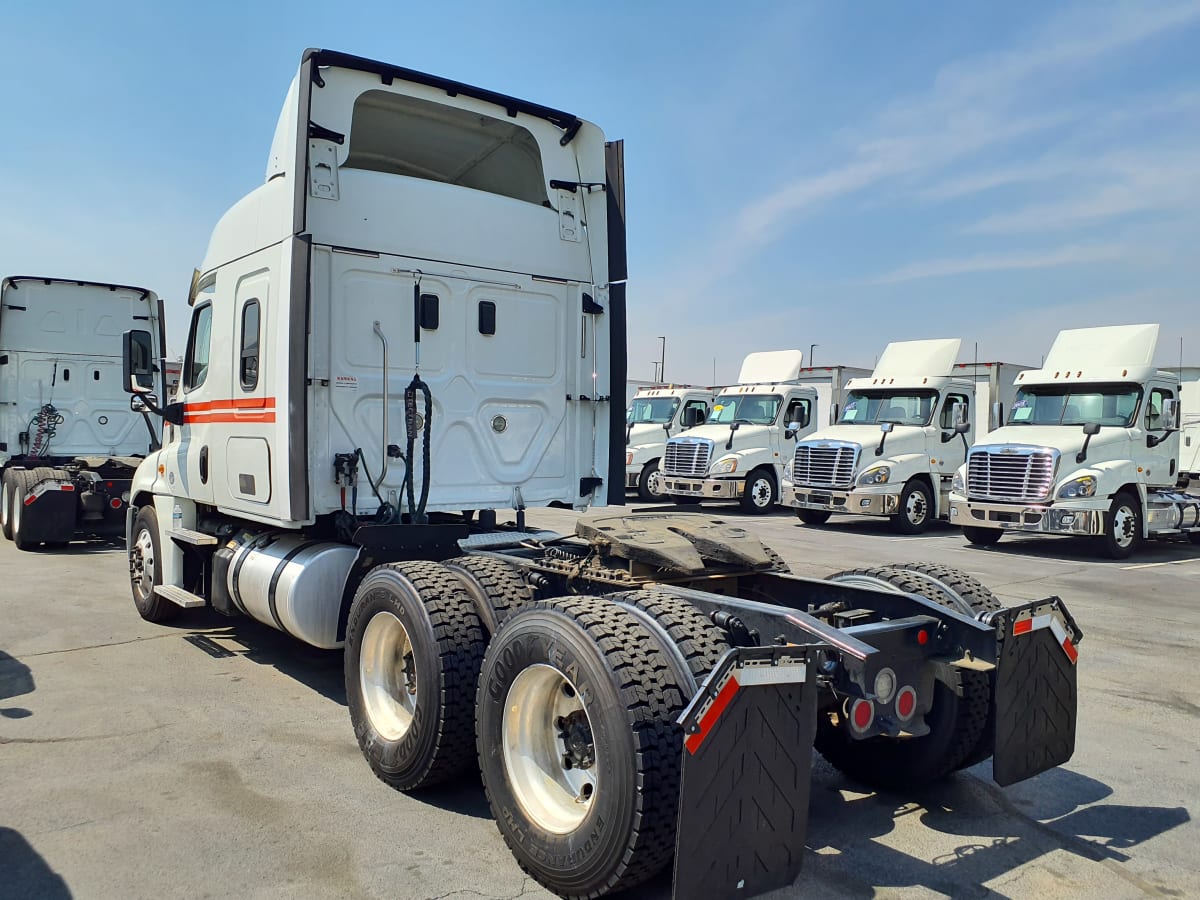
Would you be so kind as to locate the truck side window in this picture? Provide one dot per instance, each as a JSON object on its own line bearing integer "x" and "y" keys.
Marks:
{"x": 798, "y": 411}
{"x": 1154, "y": 408}
{"x": 195, "y": 367}
{"x": 947, "y": 421}
{"x": 248, "y": 367}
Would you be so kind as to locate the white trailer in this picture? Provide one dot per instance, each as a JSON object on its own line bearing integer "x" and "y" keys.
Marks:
{"x": 69, "y": 442}
{"x": 830, "y": 384}
{"x": 1189, "y": 438}
{"x": 418, "y": 318}
{"x": 1091, "y": 447}
{"x": 655, "y": 414}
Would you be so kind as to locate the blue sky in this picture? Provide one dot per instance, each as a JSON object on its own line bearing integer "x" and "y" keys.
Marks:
{"x": 830, "y": 173}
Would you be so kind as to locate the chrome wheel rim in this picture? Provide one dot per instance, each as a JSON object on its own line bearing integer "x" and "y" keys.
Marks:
{"x": 141, "y": 564}
{"x": 1124, "y": 522}
{"x": 4, "y": 503}
{"x": 760, "y": 493}
{"x": 387, "y": 676}
{"x": 654, "y": 484}
{"x": 916, "y": 508}
{"x": 17, "y": 506}
{"x": 549, "y": 756}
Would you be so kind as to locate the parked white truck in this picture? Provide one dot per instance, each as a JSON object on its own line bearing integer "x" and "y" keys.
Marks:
{"x": 901, "y": 435}
{"x": 1091, "y": 448}
{"x": 1189, "y": 435}
{"x": 419, "y": 318}
{"x": 655, "y": 414}
{"x": 740, "y": 450}
{"x": 68, "y": 440}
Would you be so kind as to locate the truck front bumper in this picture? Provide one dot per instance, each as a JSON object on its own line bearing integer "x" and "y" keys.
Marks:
{"x": 703, "y": 488}
{"x": 863, "y": 503}
{"x": 1034, "y": 519}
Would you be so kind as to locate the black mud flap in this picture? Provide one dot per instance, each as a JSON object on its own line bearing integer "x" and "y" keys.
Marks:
{"x": 51, "y": 515}
{"x": 1034, "y": 707}
{"x": 747, "y": 765}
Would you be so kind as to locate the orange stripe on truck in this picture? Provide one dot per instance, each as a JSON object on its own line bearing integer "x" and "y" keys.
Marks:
{"x": 233, "y": 403}
{"x": 227, "y": 417}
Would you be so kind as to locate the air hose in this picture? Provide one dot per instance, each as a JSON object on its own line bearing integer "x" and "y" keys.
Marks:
{"x": 417, "y": 509}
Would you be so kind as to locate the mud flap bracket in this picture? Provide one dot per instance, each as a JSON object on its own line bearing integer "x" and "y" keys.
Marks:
{"x": 1036, "y": 689}
{"x": 747, "y": 766}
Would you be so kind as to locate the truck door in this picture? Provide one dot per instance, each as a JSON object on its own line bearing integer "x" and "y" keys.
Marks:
{"x": 946, "y": 457}
{"x": 800, "y": 410}
{"x": 198, "y": 387}
{"x": 1159, "y": 464}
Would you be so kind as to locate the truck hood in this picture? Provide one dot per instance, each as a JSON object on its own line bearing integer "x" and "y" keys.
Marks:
{"x": 646, "y": 433}
{"x": 746, "y": 436}
{"x": 903, "y": 439}
{"x": 1068, "y": 439}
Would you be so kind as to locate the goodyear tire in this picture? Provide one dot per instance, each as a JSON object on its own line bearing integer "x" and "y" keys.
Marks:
{"x": 495, "y": 587}
{"x": 697, "y": 643}
{"x": 414, "y": 643}
{"x": 813, "y": 516}
{"x": 957, "y": 719}
{"x": 145, "y": 569}
{"x": 578, "y": 746}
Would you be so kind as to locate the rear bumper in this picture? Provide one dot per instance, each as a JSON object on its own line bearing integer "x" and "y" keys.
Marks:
{"x": 703, "y": 488}
{"x": 863, "y": 503}
{"x": 1033, "y": 519}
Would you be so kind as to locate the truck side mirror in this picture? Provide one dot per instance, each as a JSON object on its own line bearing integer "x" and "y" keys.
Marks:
{"x": 1091, "y": 428}
{"x": 887, "y": 427}
{"x": 693, "y": 416}
{"x": 137, "y": 359}
{"x": 143, "y": 403}
{"x": 996, "y": 416}
{"x": 793, "y": 428}
{"x": 958, "y": 415}
{"x": 1169, "y": 419}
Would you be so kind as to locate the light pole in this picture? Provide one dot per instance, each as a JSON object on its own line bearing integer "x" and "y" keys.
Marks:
{"x": 662, "y": 363}
{"x": 811, "y": 347}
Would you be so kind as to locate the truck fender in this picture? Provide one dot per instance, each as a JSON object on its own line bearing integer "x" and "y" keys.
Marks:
{"x": 172, "y": 553}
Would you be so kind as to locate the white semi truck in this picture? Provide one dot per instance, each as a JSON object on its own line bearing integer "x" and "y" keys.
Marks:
{"x": 1091, "y": 447}
{"x": 740, "y": 450}
{"x": 1189, "y": 436}
{"x": 69, "y": 442}
{"x": 418, "y": 318}
{"x": 656, "y": 413}
{"x": 902, "y": 433}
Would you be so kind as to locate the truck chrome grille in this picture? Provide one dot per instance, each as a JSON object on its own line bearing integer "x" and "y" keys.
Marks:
{"x": 686, "y": 456}
{"x": 825, "y": 464}
{"x": 1011, "y": 472}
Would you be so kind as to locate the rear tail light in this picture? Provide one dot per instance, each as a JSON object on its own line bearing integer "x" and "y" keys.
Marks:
{"x": 115, "y": 502}
{"x": 906, "y": 703}
{"x": 862, "y": 716}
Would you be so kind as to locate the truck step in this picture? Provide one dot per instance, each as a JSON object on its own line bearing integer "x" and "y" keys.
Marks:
{"x": 178, "y": 595}
{"x": 192, "y": 538}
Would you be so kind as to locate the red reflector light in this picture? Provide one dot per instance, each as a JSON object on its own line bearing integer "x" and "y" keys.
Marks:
{"x": 862, "y": 714}
{"x": 1069, "y": 649}
{"x": 906, "y": 702}
{"x": 1023, "y": 626}
{"x": 66, "y": 487}
{"x": 29, "y": 500}
{"x": 922, "y": 637}
{"x": 108, "y": 484}
{"x": 115, "y": 502}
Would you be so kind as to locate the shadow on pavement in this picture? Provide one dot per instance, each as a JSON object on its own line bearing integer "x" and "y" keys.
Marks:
{"x": 26, "y": 873}
{"x": 16, "y": 679}
{"x": 1081, "y": 550}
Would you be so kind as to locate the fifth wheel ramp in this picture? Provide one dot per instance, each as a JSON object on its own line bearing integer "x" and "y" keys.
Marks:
{"x": 674, "y": 541}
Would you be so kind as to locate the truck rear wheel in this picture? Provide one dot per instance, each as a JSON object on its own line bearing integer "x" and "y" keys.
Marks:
{"x": 759, "y": 493}
{"x": 414, "y": 644}
{"x": 145, "y": 569}
{"x": 6, "y": 494}
{"x": 957, "y": 719}
{"x": 1122, "y": 527}
{"x": 813, "y": 516}
{"x": 650, "y": 484}
{"x": 23, "y": 482}
{"x": 496, "y": 587}
{"x": 698, "y": 643}
{"x": 916, "y": 508}
{"x": 578, "y": 745}
{"x": 982, "y": 537}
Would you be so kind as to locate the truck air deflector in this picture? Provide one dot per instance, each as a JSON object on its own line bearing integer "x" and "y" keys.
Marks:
{"x": 745, "y": 782}
{"x": 387, "y": 73}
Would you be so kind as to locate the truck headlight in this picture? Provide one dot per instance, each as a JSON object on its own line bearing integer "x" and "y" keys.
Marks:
{"x": 629, "y": 458}
{"x": 1083, "y": 486}
{"x": 723, "y": 466}
{"x": 957, "y": 483}
{"x": 877, "y": 475}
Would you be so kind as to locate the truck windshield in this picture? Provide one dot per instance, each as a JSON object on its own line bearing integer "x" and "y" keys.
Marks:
{"x": 1076, "y": 404}
{"x": 652, "y": 410}
{"x": 754, "y": 409}
{"x": 900, "y": 408}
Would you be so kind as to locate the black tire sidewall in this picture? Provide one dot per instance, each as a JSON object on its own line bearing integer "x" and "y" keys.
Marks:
{"x": 903, "y": 523}
{"x": 982, "y": 537}
{"x": 21, "y": 483}
{"x": 748, "y": 503}
{"x": 404, "y": 762}
{"x": 1108, "y": 539}
{"x": 149, "y": 607}
{"x": 578, "y": 862}
{"x": 813, "y": 516}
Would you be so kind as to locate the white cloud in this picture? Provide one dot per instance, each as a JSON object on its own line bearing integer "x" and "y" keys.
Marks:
{"x": 1001, "y": 262}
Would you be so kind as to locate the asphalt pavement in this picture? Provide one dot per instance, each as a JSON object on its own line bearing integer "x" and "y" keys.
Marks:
{"x": 214, "y": 757}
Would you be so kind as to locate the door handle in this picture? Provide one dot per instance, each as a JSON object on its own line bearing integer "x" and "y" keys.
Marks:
{"x": 204, "y": 464}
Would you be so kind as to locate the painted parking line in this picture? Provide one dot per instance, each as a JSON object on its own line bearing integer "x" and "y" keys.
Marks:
{"x": 1173, "y": 562}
